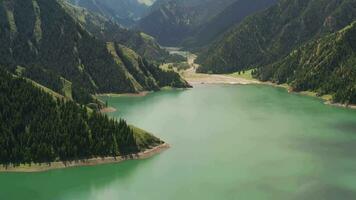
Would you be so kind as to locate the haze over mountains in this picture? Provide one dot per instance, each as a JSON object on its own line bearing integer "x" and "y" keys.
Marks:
{"x": 180, "y": 22}
{"x": 126, "y": 12}
{"x": 109, "y": 30}
{"x": 172, "y": 21}
{"x": 189, "y": 23}
{"x": 219, "y": 24}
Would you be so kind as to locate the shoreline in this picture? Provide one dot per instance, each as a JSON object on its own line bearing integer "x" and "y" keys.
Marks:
{"x": 194, "y": 78}
{"x": 88, "y": 162}
{"x": 350, "y": 106}
{"x": 140, "y": 94}
{"x": 108, "y": 110}
{"x": 327, "y": 99}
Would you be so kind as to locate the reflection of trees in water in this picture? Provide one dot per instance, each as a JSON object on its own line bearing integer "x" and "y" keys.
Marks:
{"x": 348, "y": 127}
{"x": 321, "y": 191}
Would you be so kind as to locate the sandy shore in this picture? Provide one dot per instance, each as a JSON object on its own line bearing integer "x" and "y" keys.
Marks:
{"x": 108, "y": 110}
{"x": 194, "y": 78}
{"x": 140, "y": 94}
{"x": 327, "y": 98}
{"x": 89, "y": 162}
{"x": 352, "y": 106}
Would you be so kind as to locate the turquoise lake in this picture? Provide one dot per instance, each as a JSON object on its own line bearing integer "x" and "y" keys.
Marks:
{"x": 233, "y": 142}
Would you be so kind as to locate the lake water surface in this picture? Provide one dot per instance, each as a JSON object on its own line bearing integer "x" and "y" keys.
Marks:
{"x": 228, "y": 142}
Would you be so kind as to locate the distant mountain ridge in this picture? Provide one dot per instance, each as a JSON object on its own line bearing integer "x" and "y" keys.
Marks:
{"x": 231, "y": 15}
{"x": 171, "y": 21}
{"x": 110, "y": 31}
{"x": 125, "y": 12}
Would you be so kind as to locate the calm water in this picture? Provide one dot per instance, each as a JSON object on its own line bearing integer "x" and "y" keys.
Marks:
{"x": 228, "y": 142}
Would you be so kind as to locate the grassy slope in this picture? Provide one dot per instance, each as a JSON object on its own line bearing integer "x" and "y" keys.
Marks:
{"x": 245, "y": 75}
{"x": 111, "y": 48}
{"x": 67, "y": 88}
{"x": 144, "y": 139}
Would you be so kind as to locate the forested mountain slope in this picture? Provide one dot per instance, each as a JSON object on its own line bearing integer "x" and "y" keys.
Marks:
{"x": 36, "y": 128}
{"x": 41, "y": 41}
{"x": 172, "y": 21}
{"x": 109, "y": 31}
{"x": 231, "y": 15}
{"x": 326, "y": 65}
{"x": 272, "y": 34}
{"x": 125, "y": 12}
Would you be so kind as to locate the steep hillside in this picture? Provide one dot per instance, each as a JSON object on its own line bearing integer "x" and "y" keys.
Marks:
{"x": 125, "y": 12}
{"x": 41, "y": 41}
{"x": 274, "y": 33}
{"x": 35, "y": 128}
{"x": 110, "y": 31}
{"x": 171, "y": 21}
{"x": 230, "y": 16}
{"x": 326, "y": 65}
{"x": 142, "y": 73}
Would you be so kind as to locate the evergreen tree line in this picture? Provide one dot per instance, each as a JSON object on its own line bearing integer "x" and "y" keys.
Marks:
{"x": 326, "y": 66}
{"x": 36, "y": 128}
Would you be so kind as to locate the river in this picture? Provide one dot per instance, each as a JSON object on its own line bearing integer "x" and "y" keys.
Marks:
{"x": 248, "y": 142}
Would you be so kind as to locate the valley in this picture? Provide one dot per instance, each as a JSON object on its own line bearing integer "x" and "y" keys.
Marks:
{"x": 177, "y": 99}
{"x": 194, "y": 78}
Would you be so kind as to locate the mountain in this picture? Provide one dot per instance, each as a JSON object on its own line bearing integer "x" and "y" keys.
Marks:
{"x": 41, "y": 41}
{"x": 35, "y": 127}
{"x": 172, "y": 21}
{"x": 110, "y": 31}
{"x": 230, "y": 16}
{"x": 125, "y": 12}
{"x": 272, "y": 34}
{"x": 326, "y": 65}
